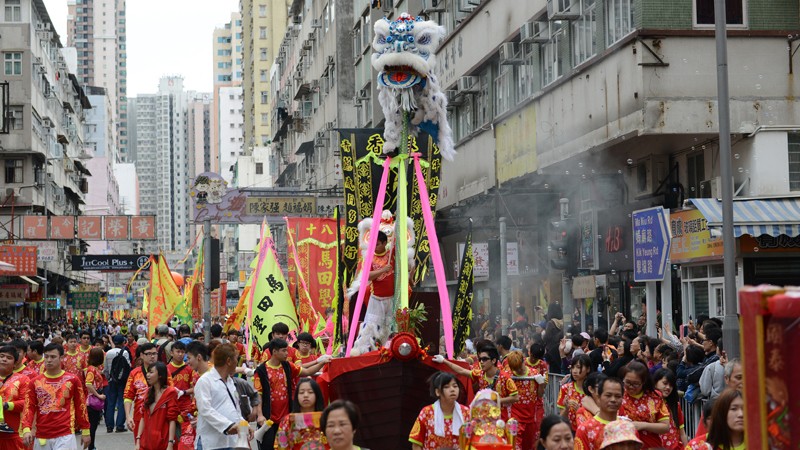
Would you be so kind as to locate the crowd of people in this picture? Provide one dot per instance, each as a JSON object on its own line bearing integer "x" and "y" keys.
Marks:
{"x": 620, "y": 388}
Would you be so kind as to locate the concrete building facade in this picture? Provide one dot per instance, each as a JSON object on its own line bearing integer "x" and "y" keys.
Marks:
{"x": 97, "y": 29}
{"x": 610, "y": 104}
{"x": 43, "y": 135}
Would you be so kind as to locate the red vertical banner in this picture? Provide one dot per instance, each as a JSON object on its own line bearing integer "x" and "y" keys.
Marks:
{"x": 34, "y": 227}
{"x": 62, "y": 227}
{"x": 315, "y": 239}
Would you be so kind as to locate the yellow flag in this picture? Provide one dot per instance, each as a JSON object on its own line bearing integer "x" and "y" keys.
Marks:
{"x": 270, "y": 299}
{"x": 235, "y": 320}
{"x": 164, "y": 294}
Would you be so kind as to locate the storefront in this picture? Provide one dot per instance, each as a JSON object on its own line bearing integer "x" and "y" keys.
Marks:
{"x": 773, "y": 257}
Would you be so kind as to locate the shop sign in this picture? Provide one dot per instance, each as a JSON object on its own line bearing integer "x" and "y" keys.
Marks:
{"x": 84, "y": 300}
{"x": 584, "y": 287}
{"x": 769, "y": 244}
{"x": 14, "y": 292}
{"x": 588, "y": 240}
{"x": 614, "y": 229}
{"x": 23, "y": 258}
{"x": 125, "y": 263}
{"x": 480, "y": 253}
{"x": 691, "y": 238}
{"x": 47, "y": 251}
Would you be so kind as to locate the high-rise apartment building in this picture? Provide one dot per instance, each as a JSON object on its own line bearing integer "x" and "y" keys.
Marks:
{"x": 97, "y": 30}
{"x": 263, "y": 25}
{"x": 162, "y": 163}
{"x": 227, "y": 108}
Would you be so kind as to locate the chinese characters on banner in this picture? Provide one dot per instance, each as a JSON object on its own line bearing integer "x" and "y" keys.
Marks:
{"x": 462, "y": 312}
{"x": 91, "y": 228}
{"x": 22, "y": 258}
{"x": 34, "y": 227}
{"x": 14, "y": 292}
{"x": 84, "y": 300}
{"x": 316, "y": 253}
{"x": 362, "y": 166}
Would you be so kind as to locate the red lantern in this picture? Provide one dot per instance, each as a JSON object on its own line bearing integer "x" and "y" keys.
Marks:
{"x": 177, "y": 278}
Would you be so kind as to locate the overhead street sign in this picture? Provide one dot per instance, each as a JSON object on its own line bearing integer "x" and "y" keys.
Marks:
{"x": 651, "y": 244}
{"x": 116, "y": 263}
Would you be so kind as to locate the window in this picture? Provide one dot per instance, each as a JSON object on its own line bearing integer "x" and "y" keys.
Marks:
{"x": 483, "y": 100}
{"x": 259, "y": 168}
{"x": 13, "y": 63}
{"x": 584, "y": 31}
{"x": 264, "y": 76}
{"x": 262, "y": 10}
{"x": 262, "y": 32}
{"x": 263, "y": 54}
{"x": 14, "y": 170}
{"x": 695, "y": 173}
{"x": 465, "y": 117}
{"x": 264, "y": 119}
{"x": 13, "y": 11}
{"x": 504, "y": 89}
{"x": 525, "y": 74}
{"x": 264, "y": 97}
{"x": 794, "y": 161}
{"x": 704, "y": 12}
{"x": 264, "y": 140}
{"x": 619, "y": 20}
{"x": 15, "y": 117}
{"x": 552, "y": 61}
{"x": 366, "y": 28}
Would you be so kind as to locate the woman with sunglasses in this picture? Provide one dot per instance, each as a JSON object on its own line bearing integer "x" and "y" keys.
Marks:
{"x": 643, "y": 405}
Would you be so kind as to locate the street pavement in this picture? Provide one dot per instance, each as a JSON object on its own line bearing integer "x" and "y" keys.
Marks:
{"x": 120, "y": 441}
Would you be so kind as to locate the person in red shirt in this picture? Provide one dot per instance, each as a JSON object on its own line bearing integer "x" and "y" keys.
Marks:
{"x": 95, "y": 386}
{"x": 85, "y": 346}
{"x": 136, "y": 387}
{"x": 55, "y": 401}
{"x": 35, "y": 359}
{"x": 233, "y": 338}
{"x": 13, "y": 390}
{"x": 530, "y": 386}
{"x": 279, "y": 331}
{"x": 159, "y": 412}
{"x": 276, "y": 389}
{"x": 73, "y": 361}
{"x": 132, "y": 344}
{"x": 589, "y": 435}
{"x": 306, "y": 348}
{"x": 184, "y": 379}
{"x": 488, "y": 376}
{"x": 375, "y": 329}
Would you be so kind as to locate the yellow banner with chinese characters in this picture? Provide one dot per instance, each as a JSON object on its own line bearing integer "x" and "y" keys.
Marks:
{"x": 164, "y": 294}
{"x": 269, "y": 297}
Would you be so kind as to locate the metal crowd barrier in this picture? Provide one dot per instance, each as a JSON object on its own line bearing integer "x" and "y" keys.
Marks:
{"x": 691, "y": 411}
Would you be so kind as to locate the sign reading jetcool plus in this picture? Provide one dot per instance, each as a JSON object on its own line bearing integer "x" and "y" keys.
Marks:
{"x": 118, "y": 263}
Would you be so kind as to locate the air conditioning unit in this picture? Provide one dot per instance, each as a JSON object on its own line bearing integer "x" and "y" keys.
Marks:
{"x": 322, "y": 135}
{"x": 711, "y": 188}
{"x": 319, "y": 143}
{"x": 69, "y": 166}
{"x": 526, "y": 33}
{"x": 648, "y": 174}
{"x": 468, "y": 84}
{"x": 363, "y": 94}
{"x": 541, "y": 31}
{"x": 316, "y": 23}
{"x": 47, "y": 123}
{"x": 37, "y": 60}
{"x": 58, "y": 197}
{"x": 432, "y": 6}
{"x": 331, "y": 61}
{"x": 508, "y": 54}
{"x": 454, "y": 98}
{"x": 563, "y": 9}
{"x": 42, "y": 70}
{"x": 329, "y": 125}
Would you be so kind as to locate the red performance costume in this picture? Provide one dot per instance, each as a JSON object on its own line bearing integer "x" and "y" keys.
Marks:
{"x": 422, "y": 433}
{"x": 590, "y": 434}
{"x": 73, "y": 363}
{"x": 527, "y": 410}
{"x": 570, "y": 393}
{"x": 136, "y": 391}
{"x": 648, "y": 407}
{"x": 279, "y": 398}
{"x": 33, "y": 368}
{"x": 300, "y": 431}
{"x": 54, "y": 403}
{"x": 14, "y": 390}
{"x": 501, "y": 383}
{"x": 165, "y": 410}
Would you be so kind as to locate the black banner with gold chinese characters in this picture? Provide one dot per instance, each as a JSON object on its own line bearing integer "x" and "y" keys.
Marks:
{"x": 362, "y": 166}
{"x": 462, "y": 311}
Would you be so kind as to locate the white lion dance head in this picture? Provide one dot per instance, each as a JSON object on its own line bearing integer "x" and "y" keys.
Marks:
{"x": 404, "y": 57}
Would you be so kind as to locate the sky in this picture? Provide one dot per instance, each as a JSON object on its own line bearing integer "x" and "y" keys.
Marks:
{"x": 165, "y": 37}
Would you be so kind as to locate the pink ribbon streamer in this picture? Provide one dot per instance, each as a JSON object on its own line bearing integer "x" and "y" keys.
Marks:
{"x": 436, "y": 258}
{"x": 367, "y": 263}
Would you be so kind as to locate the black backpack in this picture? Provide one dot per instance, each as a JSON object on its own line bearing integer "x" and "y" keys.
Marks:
{"x": 162, "y": 352}
{"x": 120, "y": 367}
{"x": 261, "y": 372}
